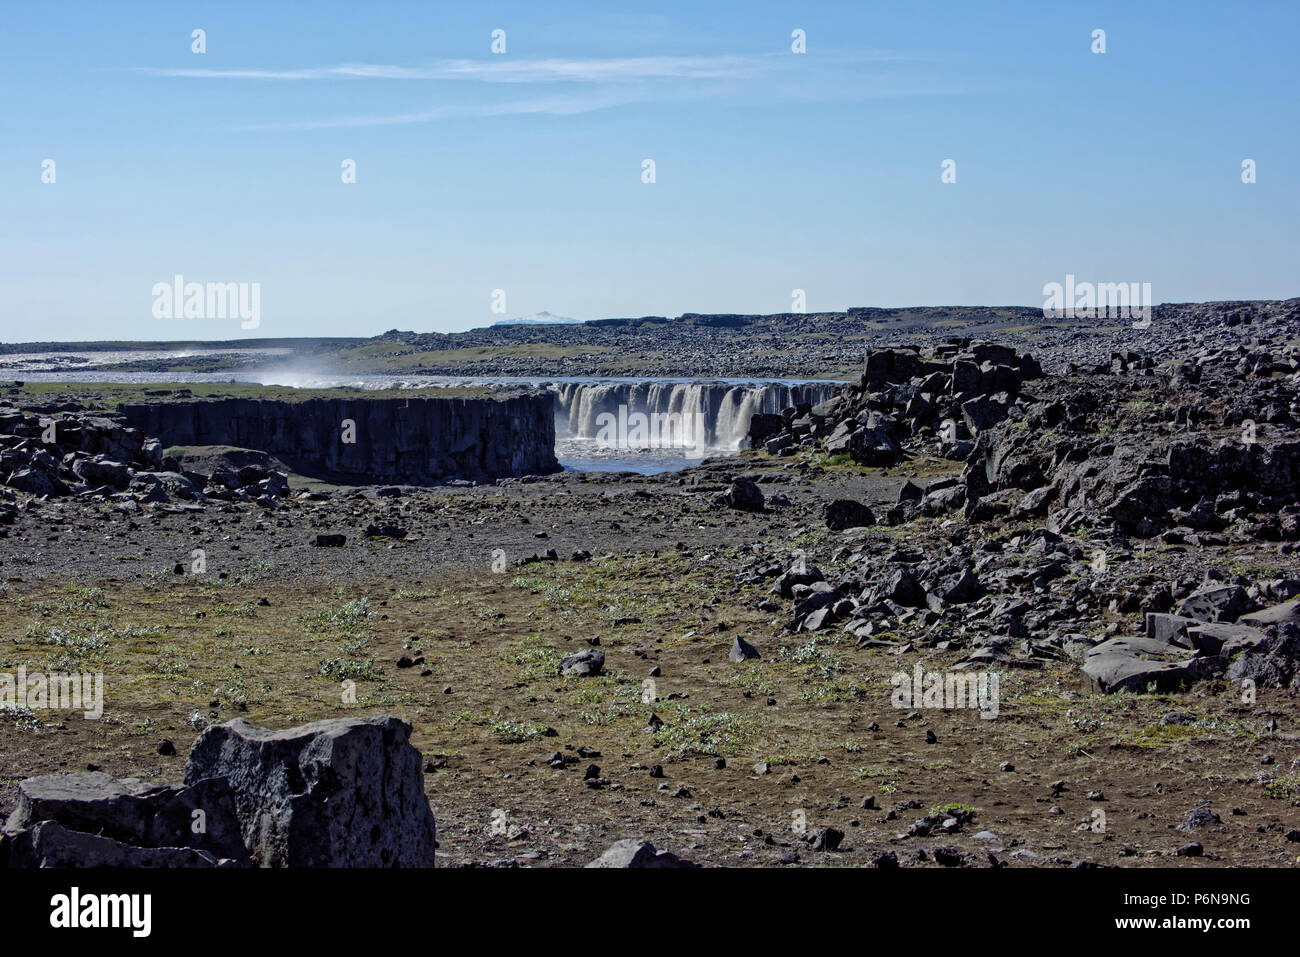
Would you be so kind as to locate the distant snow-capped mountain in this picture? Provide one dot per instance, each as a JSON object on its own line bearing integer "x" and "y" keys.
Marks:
{"x": 538, "y": 319}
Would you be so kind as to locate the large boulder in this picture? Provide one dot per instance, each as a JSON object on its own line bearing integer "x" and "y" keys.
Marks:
{"x": 1141, "y": 507}
{"x": 876, "y": 443}
{"x": 1288, "y": 611}
{"x": 743, "y": 494}
{"x": 764, "y": 426}
{"x": 35, "y": 482}
{"x": 346, "y": 792}
{"x": 890, "y": 365}
{"x": 957, "y": 588}
{"x": 1273, "y": 662}
{"x": 787, "y": 581}
{"x": 1216, "y": 603}
{"x": 903, "y": 588}
{"x": 845, "y": 513}
{"x": 1134, "y": 664}
{"x": 99, "y": 471}
{"x": 92, "y": 819}
{"x": 982, "y": 413}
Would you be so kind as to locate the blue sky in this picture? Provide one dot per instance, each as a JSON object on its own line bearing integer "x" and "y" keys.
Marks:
{"x": 774, "y": 170}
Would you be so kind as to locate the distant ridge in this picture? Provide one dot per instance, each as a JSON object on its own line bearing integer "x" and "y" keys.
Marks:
{"x": 539, "y": 319}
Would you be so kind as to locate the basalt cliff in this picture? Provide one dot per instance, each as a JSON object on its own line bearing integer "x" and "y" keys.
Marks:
{"x": 416, "y": 441}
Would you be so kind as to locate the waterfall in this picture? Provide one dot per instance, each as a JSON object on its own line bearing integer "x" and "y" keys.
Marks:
{"x": 723, "y": 409}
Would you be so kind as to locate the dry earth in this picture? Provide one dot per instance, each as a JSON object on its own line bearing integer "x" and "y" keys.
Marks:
{"x": 273, "y": 626}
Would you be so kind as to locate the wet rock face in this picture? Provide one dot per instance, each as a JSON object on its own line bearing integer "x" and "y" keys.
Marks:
{"x": 415, "y": 441}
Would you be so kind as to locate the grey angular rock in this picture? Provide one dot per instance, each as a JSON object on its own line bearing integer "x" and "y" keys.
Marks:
{"x": 958, "y": 588}
{"x": 1168, "y": 629}
{"x": 903, "y": 588}
{"x": 741, "y": 650}
{"x": 133, "y": 812}
{"x": 1133, "y": 664}
{"x": 1288, "y": 611}
{"x": 1199, "y": 817}
{"x": 1216, "y": 603}
{"x": 876, "y": 443}
{"x": 584, "y": 663}
{"x": 982, "y": 413}
{"x": 785, "y": 583}
{"x": 346, "y": 792}
{"x": 98, "y": 470}
{"x": 35, "y": 482}
{"x": 910, "y": 492}
{"x": 50, "y": 844}
{"x": 638, "y": 853}
{"x": 1217, "y": 637}
{"x": 1273, "y": 662}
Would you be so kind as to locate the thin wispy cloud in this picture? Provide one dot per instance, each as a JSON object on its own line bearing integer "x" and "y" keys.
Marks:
{"x": 548, "y": 106}
{"x": 609, "y": 82}
{"x": 725, "y": 67}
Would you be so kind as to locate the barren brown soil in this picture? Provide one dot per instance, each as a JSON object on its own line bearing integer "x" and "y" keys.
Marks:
{"x": 274, "y": 638}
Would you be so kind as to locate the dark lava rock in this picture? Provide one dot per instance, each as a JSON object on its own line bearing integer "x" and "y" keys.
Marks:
{"x": 827, "y": 839}
{"x": 743, "y": 494}
{"x": 305, "y": 794}
{"x": 584, "y": 664}
{"x": 385, "y": 531}
{"x": 845, "y": 513}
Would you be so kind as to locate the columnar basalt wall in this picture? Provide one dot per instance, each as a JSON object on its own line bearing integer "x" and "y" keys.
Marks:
{"x": 418, "y": 440}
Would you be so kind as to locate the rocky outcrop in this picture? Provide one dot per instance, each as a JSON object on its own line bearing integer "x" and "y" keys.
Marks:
{"x": 1100, "y": 456}
{"x": 347, "y": 792}
{"x": 74, "y": 452}
{"x": 418, "y": 441}
{"x": 958, "y": 390}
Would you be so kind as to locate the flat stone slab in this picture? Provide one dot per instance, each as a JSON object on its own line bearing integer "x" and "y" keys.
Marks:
{"x": 1288, "y": 611}
{"x": 1134, "y": 663}
{"x": 1219, "y": 637}
{"x": 50, "y": 844}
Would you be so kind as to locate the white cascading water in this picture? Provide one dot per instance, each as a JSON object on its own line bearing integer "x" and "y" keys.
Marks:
{"x": 724, "y": 408}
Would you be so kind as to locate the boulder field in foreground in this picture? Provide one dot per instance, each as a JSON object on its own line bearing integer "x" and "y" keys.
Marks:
{"x": 346, "y": 792}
